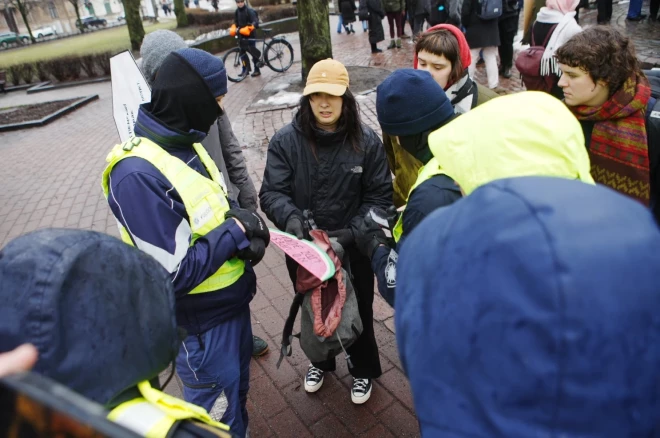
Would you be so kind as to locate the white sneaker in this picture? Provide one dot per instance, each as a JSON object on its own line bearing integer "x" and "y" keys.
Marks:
{"x": 313, "y": 379}
{"x": 361, "y": 391}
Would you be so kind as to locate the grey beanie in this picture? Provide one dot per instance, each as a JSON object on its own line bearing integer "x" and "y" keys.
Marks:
{"x": 155, "y": 48}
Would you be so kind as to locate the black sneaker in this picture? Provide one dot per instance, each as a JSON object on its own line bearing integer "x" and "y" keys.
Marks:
{"x": 256, "y": 73}
{"x": 259, "y": 346}
{"x": 313, "y": 379}
{"x": 638, "y": 18}
{"x": 376, "y": 51}
{"x": 361, "y": 391}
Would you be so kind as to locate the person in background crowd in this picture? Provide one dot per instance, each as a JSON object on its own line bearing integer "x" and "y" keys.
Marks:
{"x": 329, "y": 163}
{"x": 530, "y": 9}
{"x": 221, "y": 143}
{"x": 482, "y": 36}
{"x": 607, "y": 92}
{"x": 420, "y": 14}
{"x": 654, "y": 7}
{"x": 245, "y": 23}
{"x": 340, "y": 21}
{"x": 169, "y": 200}
{"x": 373, "y": 11}
{"x": 557, "y": 313}
{"x": 508, "y": 28}
{"x": 635, "y": 11}
{"x": 394, "y": 10}
{"x": 555, "y": 23}
{"x": 444, "y": 53}
{"x": 347, "y": 9}
{"x": 604, "y": 11}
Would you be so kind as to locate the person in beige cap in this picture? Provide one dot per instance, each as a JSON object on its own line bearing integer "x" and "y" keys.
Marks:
{"x": 329, "y": 165}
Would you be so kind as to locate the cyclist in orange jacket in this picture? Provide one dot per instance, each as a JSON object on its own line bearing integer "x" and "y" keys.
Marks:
{"x": 246, "y": 21}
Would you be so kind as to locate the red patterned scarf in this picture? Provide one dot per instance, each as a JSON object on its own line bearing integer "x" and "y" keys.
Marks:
{"x": 618, "y": 150}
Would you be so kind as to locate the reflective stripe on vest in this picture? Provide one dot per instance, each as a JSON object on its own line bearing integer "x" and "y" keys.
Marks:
{"x": 431, "y": 169}
{"x": 154, "y": 415}
{"x": 205, "y": 199}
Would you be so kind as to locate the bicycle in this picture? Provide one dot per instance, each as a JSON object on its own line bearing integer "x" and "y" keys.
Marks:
{"x": 276, "y": 53}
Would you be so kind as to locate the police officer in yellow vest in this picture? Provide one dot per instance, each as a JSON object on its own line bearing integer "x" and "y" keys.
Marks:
{"x": 170, "y": 201}
{"x": 410, "y": 105}
{"x": 525, "y": 134}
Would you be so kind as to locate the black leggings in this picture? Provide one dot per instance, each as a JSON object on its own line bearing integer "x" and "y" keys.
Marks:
{"x": 364, "y": 352}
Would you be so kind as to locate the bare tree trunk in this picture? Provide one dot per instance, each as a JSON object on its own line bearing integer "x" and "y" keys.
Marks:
{"x": 76, "y": 8}
{"x": 23, "y": 10}
{"x": 134, "y": 23}
{"x": 180, "y": 12}
{"x": 314, "y": 28}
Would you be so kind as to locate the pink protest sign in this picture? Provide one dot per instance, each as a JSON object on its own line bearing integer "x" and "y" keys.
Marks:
{"x": 308, "y": 255}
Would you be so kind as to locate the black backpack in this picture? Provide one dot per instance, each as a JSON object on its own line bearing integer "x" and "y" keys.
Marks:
{"x": 439, "y": 12}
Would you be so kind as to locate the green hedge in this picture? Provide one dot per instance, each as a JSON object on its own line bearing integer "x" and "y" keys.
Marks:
{"x": 67, "y": 68}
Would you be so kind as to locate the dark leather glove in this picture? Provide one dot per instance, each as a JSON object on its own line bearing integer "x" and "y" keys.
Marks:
{"x": 344, "y": 236}
{"x": 370, "y": 236}
{"x": 254, "y": 225}
{"x": 254, "y": 253}
{"x": 294, "y": 226}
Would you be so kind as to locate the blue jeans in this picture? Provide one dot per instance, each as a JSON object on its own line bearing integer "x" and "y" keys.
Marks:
{"x": 340, "y": 24}
{"x": 214, "y": 367}
{"x": 635, "y": 8}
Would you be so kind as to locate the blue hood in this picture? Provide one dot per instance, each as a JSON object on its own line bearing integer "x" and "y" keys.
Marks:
{"x": 531, "y": 308}
{"x": 100, "y": 312}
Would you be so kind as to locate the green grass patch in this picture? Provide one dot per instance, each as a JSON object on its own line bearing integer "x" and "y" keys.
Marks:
{"x": 109, "y": 40}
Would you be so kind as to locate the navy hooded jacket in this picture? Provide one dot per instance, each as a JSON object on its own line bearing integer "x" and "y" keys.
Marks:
{"x": 100, "y": 312}
{"x": 531, "y": 308}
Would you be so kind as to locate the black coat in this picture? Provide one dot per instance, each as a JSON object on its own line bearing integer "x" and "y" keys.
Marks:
{"x": 480, "y": 33}
{"x": 339, "y": 187}
{"x": 347, "y": 9}
{"x": 376, "y": 14}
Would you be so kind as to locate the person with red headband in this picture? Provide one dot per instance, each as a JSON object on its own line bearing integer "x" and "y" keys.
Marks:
{"x": 444, "y": 52}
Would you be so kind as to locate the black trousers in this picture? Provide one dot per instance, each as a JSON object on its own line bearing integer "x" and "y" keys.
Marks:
{"x": 508, "y": 28}
{"x": 655, "y": 7}
{"x": 249, "y": 47}
{"x": 364, "y": 352}
{"x": 604, "y": 11}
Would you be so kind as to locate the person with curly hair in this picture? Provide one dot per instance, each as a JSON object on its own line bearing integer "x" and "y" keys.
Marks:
{"x": 608, "y": 93}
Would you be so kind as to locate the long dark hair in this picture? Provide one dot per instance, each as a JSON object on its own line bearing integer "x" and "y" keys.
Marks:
{"x": 349, "y": 122}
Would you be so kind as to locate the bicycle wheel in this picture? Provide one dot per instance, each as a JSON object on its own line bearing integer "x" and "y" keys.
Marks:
{"x": 279, "y": 55}
{"x": 234, "y": 65}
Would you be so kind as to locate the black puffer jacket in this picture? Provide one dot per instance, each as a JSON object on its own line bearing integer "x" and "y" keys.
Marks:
{"x": 338, "y": 188}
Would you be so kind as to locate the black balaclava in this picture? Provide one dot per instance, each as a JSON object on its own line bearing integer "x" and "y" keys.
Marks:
{"x": 418, "y": 145}
{"x": 180, "y": 97}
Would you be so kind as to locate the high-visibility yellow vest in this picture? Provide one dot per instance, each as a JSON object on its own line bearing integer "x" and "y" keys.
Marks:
{"x": 205, "y": 199}
{"x": 155, "y": 413}
{"x": 431, "y": 169}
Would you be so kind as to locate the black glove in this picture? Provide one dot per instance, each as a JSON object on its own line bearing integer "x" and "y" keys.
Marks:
{"x": 255, "y": 227}
{"x": 254, "y": 253}
{"x": 344, "y": 236}
{"x": 294, "y": 226}
{"x": 370, "y": 236}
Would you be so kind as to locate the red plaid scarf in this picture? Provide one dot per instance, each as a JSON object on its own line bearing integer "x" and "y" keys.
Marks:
{"x": 618, "y": 150}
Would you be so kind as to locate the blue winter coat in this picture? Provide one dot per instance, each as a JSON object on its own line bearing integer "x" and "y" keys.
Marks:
{"x": 531, "y": 308}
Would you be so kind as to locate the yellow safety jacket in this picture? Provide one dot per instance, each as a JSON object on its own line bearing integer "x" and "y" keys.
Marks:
{"x": 431, "y": 169}
{"x": 205, "y": 199}
{"x": 155, "y": 413}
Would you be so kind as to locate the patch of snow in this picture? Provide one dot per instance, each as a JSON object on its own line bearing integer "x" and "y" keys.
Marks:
{"x": 281, "y": 98}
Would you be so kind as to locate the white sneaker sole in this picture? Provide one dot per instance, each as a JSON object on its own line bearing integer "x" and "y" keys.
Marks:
{"x": 362, "y": 399}
{"x": 313, "y": 388}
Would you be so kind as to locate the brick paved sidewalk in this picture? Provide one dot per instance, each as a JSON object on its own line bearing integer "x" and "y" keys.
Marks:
{"x": 50, "y": 177}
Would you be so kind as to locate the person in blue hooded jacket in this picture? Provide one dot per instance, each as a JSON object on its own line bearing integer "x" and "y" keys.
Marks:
{"x": 530, "y": 308}
{"x": 170, "y": 201}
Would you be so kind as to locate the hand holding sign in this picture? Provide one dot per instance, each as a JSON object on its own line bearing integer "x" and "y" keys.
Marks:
{"x": 305, "y": 253}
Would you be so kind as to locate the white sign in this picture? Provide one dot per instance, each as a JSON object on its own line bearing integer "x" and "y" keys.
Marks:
{"x": 129, "y": 91}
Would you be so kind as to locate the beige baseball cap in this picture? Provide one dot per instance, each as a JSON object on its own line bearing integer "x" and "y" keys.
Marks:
{"x": 327, "y": 76}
